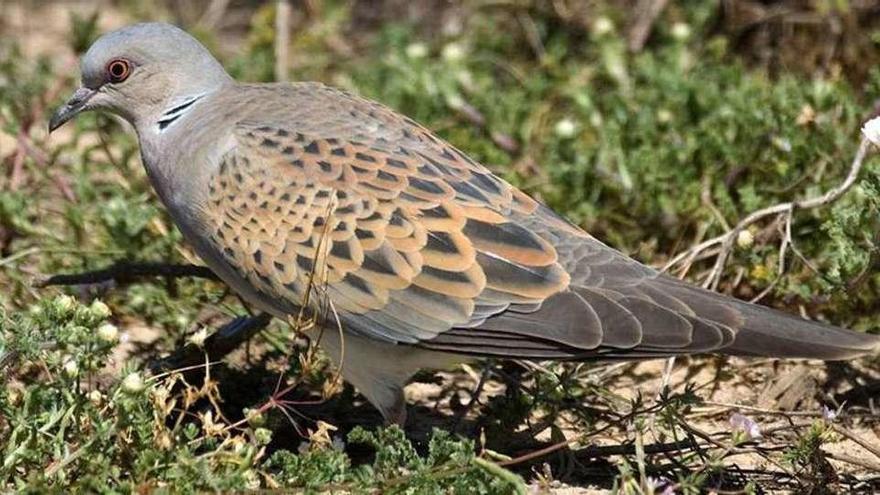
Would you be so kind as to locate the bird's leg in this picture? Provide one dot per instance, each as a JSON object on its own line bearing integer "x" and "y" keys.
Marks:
{"x": 379, "y": 370}
{"x": 222, "y": 342}
{"x": 475, "y": 396}
{"x": 394, "y": 411}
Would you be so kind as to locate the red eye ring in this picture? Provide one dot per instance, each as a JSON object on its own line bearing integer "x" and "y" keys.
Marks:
{"x": 118, "y": 70}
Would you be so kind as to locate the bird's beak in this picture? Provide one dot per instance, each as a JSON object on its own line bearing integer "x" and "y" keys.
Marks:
{"x": 74, "y": 105}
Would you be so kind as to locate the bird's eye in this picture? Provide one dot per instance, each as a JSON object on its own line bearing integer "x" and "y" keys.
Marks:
{"x": 118, "y": 70}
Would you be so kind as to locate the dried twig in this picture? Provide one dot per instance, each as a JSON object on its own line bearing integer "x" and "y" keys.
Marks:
{"x": 282, "y": 39}
{"x": 598, "y": 451}
{"x": 648, "y": 12}
{"x": 727, "y": 239}
{"x": 870, "y": 267}
{"x": 475, "y": 117}
{"x": 126, "y": 272}
{"x": 783, "y": 248}
{"x": 727, "y": 406}
{"x": 865, "y": 463}
{"x": 213, "y": 14}
{"x": 855, "y": 438}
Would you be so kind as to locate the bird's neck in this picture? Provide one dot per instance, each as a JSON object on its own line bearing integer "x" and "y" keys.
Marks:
{"x": 178, "y": 144}
{"x": 168, "y": 126}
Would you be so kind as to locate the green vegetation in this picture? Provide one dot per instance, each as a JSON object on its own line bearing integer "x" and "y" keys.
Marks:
{"x": 651, "y": 151}
{"x": 71, "y": 427}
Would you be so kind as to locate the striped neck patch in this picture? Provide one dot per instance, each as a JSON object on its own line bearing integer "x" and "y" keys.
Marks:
{"x": 174, "y": 113}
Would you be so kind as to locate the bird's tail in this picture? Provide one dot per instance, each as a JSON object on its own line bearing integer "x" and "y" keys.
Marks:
{"x": 639, "y": 317}
{"x": 769, "y": 332}
{"x": 787, "y": 336}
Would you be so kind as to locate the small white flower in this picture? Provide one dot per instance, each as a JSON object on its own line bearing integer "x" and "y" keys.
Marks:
{"x": 212, "y": 428}
{"x": 416, "y": 50}
{"x": 871, "y": 130}
{"x": 70, "y": 367}
{"x": 64, "y": 303}
{"x": 453, "y": 52}
{"x": 664, "y": 116}
{"x": 133, "y": 383}
{"x": 108, "y": 333}
{"x": 251, "y": 479}
{"x": 781, "y": 143}
{"x": 263, "y": 436}
{"x": 254, "y": 417}
{"x": 565, "y": 128}
{"x": 96, "y": 397}
{"x": 745, "y": 239}
{"x": 681, "y": 31}
{"x": 603, "y": 26}
{"x": 99, "y": 309}
{"x": 198, "y": 338}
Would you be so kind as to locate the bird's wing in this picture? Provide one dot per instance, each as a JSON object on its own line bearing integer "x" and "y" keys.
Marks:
{"x": 413, "y": 242}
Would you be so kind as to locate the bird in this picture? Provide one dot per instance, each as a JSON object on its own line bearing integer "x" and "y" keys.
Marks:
{"x": 304, "y": 197}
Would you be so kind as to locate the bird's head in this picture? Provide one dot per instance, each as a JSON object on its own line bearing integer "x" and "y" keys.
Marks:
{"x": 140, "y": 72}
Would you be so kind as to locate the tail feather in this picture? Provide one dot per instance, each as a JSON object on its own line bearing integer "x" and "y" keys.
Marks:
{"x": 768, "y": 332}
{"x": 763, "y": 331}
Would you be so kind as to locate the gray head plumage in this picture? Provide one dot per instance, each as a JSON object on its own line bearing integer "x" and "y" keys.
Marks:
{"x": 139, "y": 70}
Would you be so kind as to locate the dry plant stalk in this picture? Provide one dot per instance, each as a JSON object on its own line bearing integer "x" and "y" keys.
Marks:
{"x": 782, "y": 212}
{"x": 282, "y": 39}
